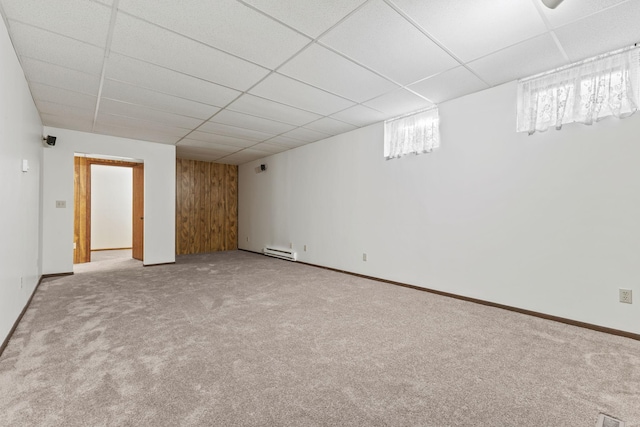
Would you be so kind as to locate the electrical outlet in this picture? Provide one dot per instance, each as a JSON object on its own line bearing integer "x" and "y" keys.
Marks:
{"x": 305, "y": 248}
{"x": 247, "y": 239}
{"x": 61, "y": 204}
{"x": 290, "y": 245}
{"x": 364, "y": 257}
{"x": 625, "y": 296}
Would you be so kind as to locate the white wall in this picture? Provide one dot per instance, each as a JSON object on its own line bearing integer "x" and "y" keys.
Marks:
{"x": 111, "y": 207}
{"x": 159, "y": 194}
{"x": 20, "y": 138}
{"x": 549, "y": 222}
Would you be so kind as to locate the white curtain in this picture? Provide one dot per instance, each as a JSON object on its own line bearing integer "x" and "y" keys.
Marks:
{"x": 415, "y": 133}
{"x": 606, "y": 85}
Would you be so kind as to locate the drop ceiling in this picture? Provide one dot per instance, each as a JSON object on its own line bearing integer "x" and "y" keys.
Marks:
{"x": 232, "y": 81}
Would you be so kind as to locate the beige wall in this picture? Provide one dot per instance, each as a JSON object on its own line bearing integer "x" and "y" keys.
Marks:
{"x": 20, "y": 139}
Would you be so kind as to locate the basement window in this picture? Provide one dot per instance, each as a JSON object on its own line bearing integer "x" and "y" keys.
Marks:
{"x": 583, "y": 92}
{"x": 414, "y": 133}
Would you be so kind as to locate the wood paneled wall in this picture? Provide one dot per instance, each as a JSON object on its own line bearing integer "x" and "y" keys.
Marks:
{"x": 206, "y": 207}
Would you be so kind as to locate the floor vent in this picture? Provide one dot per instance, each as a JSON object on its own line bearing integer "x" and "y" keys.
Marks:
{"x": 287, "y": 254}
{"x": 608, "y": 421}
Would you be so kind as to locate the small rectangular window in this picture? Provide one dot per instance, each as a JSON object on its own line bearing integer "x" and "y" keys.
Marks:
{"x": 414, "y": 133}
{"x": 584, "y": 92}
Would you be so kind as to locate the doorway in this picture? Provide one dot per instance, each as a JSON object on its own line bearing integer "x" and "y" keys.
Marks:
{"x": 82, "y": 206}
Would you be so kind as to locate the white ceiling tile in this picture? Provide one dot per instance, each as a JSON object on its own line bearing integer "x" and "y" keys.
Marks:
{"x": 287, "y": 91}
{"x": 79, "y": 19}
{"x": 360, "y": 116}
{"x": 49, "y": 47}
{"x": 221, "y": 149}
{"x": 61, "y": 77}
{"x": 201, "y": 154}
{"x": 398, "y": 102}
{"x": 286, "y": 141}
{"x": 151, "y": 135}
{"x": 243, "y": 156}
{"x": 327, "y": 70}
{"x": 270, "y": 147}
{"x": 330, "y": 126}
{"x": 264, "y": 108}
{"x": 246, "y": 121}
{"x": 67, "y": 122}
{"x": 311, "y": 17}
{"x": 134, "y": 111}
{"x": 471, "y": 29}
{"x": 225, "y": 24}
{"x": 221, "y": 139}
{"x": 448, "y": 85}
{"x": 611, "y": 29}
{"x": 257, "y": 149}
{"x": 237, "y": 132}
{"x": 378, "y": 37}
{"x": 55, "y": 109}
{"x": 138, "y": 39}
{"x": 515, "y": 62}
{"x": 574, "y": 10}
{"x": 141, "y": 96}
{"x": 307, "y": 135}
{"x": 42, "y": 92}
{"x": 159, "y": 79}
{"x": 140, "y": 125}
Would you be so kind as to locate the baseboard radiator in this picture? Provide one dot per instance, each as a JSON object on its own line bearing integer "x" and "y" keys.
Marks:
{"x": 287, "y": 254}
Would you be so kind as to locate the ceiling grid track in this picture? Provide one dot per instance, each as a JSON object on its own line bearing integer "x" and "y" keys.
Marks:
{"x": 433, "y": 39}
{"x": 552, "y": 33}
{"x": 274, "y": 71}
{"x": 107, "y": 52}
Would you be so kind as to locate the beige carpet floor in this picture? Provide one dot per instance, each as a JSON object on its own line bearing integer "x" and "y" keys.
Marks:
{"x": 239, "y": 339}
{"x": 107, "y": 255}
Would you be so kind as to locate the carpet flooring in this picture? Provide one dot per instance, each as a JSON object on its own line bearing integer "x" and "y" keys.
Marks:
{"x": 106, "y": 255}
{"x": 239, "y": 339}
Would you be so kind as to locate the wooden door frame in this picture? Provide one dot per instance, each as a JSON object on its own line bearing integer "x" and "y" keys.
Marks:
{"x": 137, "y": 212}
{"x": 82, "y": 238}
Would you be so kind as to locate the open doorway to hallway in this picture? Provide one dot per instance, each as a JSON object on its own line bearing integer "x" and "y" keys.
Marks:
{"x": 108, "y": 209}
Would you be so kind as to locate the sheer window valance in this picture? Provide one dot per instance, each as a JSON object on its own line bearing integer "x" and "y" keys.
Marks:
{"x": 588, "y": 91}
{"x": 414, "y": 133}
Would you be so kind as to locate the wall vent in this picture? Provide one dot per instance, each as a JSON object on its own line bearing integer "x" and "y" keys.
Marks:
{"x": 608, "y": 421}
{"x": 287, "y": 254}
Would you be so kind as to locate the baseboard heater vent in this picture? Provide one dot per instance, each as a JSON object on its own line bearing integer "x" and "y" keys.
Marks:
{"x": 605, "y": 420}
{"x": 287, "y": 254}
